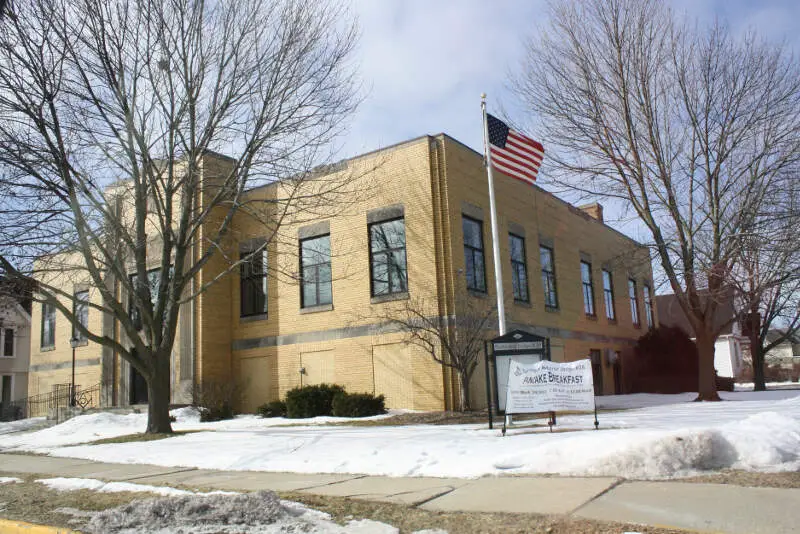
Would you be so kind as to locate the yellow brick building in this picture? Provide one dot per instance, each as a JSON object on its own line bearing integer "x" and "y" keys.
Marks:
{"x": 402, "y": 237}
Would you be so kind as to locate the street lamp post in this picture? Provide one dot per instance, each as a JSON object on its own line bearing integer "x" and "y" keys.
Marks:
{"x": 74, "y": 342}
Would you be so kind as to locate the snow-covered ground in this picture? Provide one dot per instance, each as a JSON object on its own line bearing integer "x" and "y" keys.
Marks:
{"x": 72, "y": 484}
{"x": 670, "y": 436}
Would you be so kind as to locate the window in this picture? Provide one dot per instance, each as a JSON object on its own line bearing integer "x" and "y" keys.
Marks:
{"x": 80, "y": 308}
{"x": 548, "y": 277}
{"x": 48, "y": 325}
{"x": 387, "y": 252}
{"x": 473, "y": 254}
{"x": 588, "y": 288}
{"x": 519, "y": 269}
{"x": 634, "y": 302}
{"x": 153, "y": 281}
{"x": 8, "y": 342}
{"x": 648, "y": 306}
{"x": 253, "y": 283}
{"x": 608, "y": 295}
{"x": 315, "y": 271}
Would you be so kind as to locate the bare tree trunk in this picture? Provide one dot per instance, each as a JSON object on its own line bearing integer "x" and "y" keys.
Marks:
{"x": 158, "y": 390}
{"x": 463, "y": 391}
{"x": 757, "y": 357}
{"x": 707, "y": 377}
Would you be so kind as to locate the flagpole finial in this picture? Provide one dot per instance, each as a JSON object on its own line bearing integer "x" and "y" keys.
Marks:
{"x": 483, "y": 96}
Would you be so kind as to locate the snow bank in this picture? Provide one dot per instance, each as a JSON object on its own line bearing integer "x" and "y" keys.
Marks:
{"x": 260, "y": 512}
{"x": 659, "y": 441}
{"x": 21, "y": 425}
{"x": 9, "y": 480}
{"x": 73, "y": 484}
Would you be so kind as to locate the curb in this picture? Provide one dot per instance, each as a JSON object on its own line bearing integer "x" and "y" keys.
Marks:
{"x": 8, "y": 526}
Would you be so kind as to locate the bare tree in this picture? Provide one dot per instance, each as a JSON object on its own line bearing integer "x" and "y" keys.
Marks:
{"x": 768, "y": 278}
{"x": 113, "y": 119}
{"x": 455, "y": 342}
{"x": 689, "y": 127}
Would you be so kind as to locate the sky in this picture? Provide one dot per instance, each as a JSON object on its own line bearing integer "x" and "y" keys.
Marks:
{"x": 424, "y": 64}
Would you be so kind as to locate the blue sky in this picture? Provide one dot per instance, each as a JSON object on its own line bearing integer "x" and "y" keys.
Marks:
{"x": 425, "y": 63}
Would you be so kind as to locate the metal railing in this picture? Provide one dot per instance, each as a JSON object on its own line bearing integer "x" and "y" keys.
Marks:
{"x": 59, "y": 404}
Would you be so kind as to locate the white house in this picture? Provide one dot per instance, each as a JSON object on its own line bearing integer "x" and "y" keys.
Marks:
{"x": 15, "y": 350}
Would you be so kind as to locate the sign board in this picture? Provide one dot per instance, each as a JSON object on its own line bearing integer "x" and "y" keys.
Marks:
{"x": 544, "y": 386}
{"x": 521, "y": 346}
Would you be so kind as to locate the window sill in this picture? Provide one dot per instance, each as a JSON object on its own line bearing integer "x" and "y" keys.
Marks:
{"x": 389, "y": 298}
{"x": 590, "y": 316}
{"x": 522, "y": 304}
{"x": 638, "y": 326}
{"x": 7, "y": 357}
{"x": 47, "y": 349}
{"x": 316, "y": 309}
{"x": 84, "y": 343}
{"x": 252, "y": 318}
{"x": 551, "y": 309}
{"x": 478, "y": 294}
{"x": 611, "y": 321}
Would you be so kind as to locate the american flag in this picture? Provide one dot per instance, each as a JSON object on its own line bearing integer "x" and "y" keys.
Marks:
{"x": 513, "y": 153}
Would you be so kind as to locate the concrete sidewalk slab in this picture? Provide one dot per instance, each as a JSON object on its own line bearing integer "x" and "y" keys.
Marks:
{"x": 245, "y": 480}
{"x": 409, "y": 491}
{"x": 68, "y": 467}
{"x": 706, "y": 507}
{"x": 542, "y": 495}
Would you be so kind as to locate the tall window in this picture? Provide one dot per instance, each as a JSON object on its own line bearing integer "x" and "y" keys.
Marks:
{"x": 519, "y": 268}
{"x": 588, "y": 288}
{"x": 253, "y": 283}
{"x": 634, "y": 302}
{"x": 648, "y": 305}
{"x": 548, "y": 276}
{"x": 387, "y": 250}
{"x": 80, "y": 307}
{"x": 48, "y": 325}
{"x": 608, "y": 295}
{"x": 315, "y": 267}
{"x": 153, "y": 281}
{"x": 8, "y": 342}
{"x": 473, "y": 254}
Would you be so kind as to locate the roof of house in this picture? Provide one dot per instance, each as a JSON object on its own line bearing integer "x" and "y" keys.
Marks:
{"x": 775, "y": 333}
{"x": 670, "y": 313}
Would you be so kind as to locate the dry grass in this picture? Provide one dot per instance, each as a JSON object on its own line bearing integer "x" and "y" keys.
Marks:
{"x": 747, "y": 478}
{"x": 133, "y": 438}
{"x": 32, "y": 502}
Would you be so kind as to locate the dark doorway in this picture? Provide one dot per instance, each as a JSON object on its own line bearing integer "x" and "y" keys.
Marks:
{"x": 5, "y": 400}
{"x": 597, "y": 370}
{"x": 617, "y": 376}
{"x": 138, "y": 388}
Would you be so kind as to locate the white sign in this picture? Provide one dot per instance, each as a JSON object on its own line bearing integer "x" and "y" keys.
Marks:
{"x": 502, "y": 363}
{"x": 549, "y": 387}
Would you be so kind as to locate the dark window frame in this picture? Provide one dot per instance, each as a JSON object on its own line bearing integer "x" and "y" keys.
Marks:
{"x": 647, "y": 298}
{"x": 249, "y": 279}
{"x": 608, "y": 295}
{"x": 49, "y": 315}
{"x": 634, "y": 302}
{"x": 549, "y": 279}
{"x": 6, "y": 353}
{"x": 316, "y": 267}
{"x": 388, "y": 254}
{"x": 472, "y": 252}
{"x": 587, "y": 289}
{"x": 517, "y": 266}
{"x": 80, "y": 310}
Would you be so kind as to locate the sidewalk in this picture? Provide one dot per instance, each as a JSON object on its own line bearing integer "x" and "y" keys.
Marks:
{"x": 697, "y": 507}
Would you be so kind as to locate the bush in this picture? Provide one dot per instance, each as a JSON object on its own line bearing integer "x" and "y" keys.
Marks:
{"x": 311, "y": 401}
{"x": 665, "y": 360}
{"x": 358, "y": 405}
{"x": 216, "y": 400}
{"x": 272, "y": 409}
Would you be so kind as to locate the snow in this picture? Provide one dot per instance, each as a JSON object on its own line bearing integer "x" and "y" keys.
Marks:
{"x": 21, "y": 425}
{"x": 9, "y": 480}
{"x": 74, "y": 484}
{"x": 650, "y": 436}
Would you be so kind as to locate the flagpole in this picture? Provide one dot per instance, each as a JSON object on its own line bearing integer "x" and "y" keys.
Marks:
{"x": 498, "y": 271}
